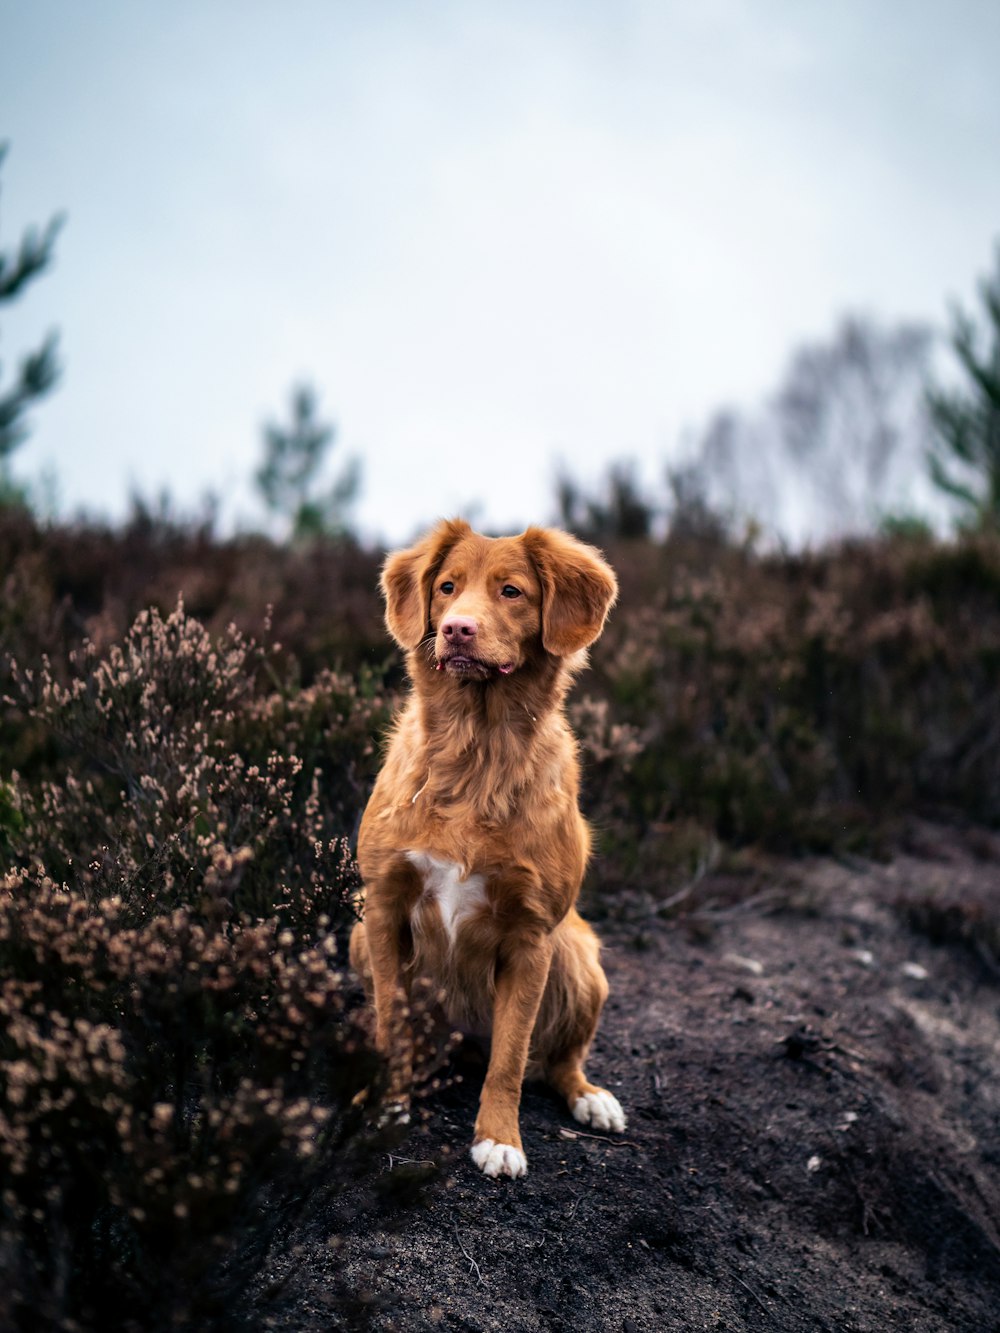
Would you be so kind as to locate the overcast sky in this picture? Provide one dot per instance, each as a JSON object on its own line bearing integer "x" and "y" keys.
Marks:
{"x": 493, "y": 235}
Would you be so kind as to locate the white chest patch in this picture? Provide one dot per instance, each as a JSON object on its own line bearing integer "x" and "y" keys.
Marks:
{"x": 456, "y": 898}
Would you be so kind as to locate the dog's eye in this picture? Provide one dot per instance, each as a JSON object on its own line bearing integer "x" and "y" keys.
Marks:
{"x": 447, "y": 587}
{"x": 508, "y": 590}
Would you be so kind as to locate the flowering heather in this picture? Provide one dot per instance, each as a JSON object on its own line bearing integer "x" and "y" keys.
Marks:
{"x": 179, "y": 1062}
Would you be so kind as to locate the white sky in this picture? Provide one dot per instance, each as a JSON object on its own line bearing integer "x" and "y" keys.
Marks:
{"x": 493, "y": 235}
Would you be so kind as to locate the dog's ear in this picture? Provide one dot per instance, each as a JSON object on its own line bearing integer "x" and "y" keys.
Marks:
{"x": 407, "y": 577}
{"x": 578, "y": 590}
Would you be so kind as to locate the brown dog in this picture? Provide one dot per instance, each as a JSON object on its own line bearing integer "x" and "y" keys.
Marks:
{"x": 472, "y": 847}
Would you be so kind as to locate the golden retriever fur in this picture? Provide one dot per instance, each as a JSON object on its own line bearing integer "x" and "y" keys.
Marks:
{"x": 472, "y": 847}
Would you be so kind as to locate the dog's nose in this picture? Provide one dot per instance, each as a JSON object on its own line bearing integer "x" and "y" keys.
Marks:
{"x": 457, "y": 628}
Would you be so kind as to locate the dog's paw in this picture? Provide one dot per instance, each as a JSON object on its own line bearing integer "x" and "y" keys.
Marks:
{"x": 499, "y": 1159}
{"x": 600, "y": 1110}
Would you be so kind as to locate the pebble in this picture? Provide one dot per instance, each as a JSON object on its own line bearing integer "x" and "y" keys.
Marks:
{"x": 748, "y": 964}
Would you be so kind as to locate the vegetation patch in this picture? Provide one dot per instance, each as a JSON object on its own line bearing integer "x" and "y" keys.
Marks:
{"x": 182, "y": 1064}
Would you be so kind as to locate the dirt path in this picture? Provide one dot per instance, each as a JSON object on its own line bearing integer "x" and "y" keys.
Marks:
{"x": 813, "y": 1092}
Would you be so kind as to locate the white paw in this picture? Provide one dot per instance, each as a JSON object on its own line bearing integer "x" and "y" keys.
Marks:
{"x": 499, "y": 1159}
{"x": 601, "y": 1110}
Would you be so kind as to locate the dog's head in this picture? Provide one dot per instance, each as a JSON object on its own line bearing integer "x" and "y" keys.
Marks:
{"x": 487, "y": 607}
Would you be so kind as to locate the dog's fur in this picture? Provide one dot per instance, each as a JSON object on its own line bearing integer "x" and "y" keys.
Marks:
{"x": 472, "y": 847}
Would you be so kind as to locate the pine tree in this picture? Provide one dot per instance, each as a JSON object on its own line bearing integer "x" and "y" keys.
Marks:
{"x": 39, "y": 370}
{"x": 965, "y": 456}
{"x": 289, "y": 476}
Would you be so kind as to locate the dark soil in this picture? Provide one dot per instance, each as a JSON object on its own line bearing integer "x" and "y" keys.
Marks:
{"x": 813, "y": 1091}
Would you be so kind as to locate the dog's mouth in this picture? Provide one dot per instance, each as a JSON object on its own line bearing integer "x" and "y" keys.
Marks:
{"x": 464, "y": 664}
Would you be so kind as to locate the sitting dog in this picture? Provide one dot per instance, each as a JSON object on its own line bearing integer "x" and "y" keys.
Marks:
{"x": 472, "y": 848}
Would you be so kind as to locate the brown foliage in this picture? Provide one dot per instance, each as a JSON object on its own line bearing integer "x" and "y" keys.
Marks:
{"x": 179, "y": 1062}
{"x": 795, "y": 701}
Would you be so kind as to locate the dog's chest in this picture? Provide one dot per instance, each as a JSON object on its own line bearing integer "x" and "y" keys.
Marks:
{"x": 457, "y": 899}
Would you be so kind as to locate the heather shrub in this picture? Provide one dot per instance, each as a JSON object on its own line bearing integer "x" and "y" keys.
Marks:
{"x": 61, "y": 585}
{"x": 176, "y": 744}
{"x": 181, "y": 1062}
{"x": 799, "y": 701}
{"x": 794, "y": 701}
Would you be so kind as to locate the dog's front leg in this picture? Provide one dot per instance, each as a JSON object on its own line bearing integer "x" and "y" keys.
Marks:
{"x": 387, "y": 929}
{"x": 520, "y": 983}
